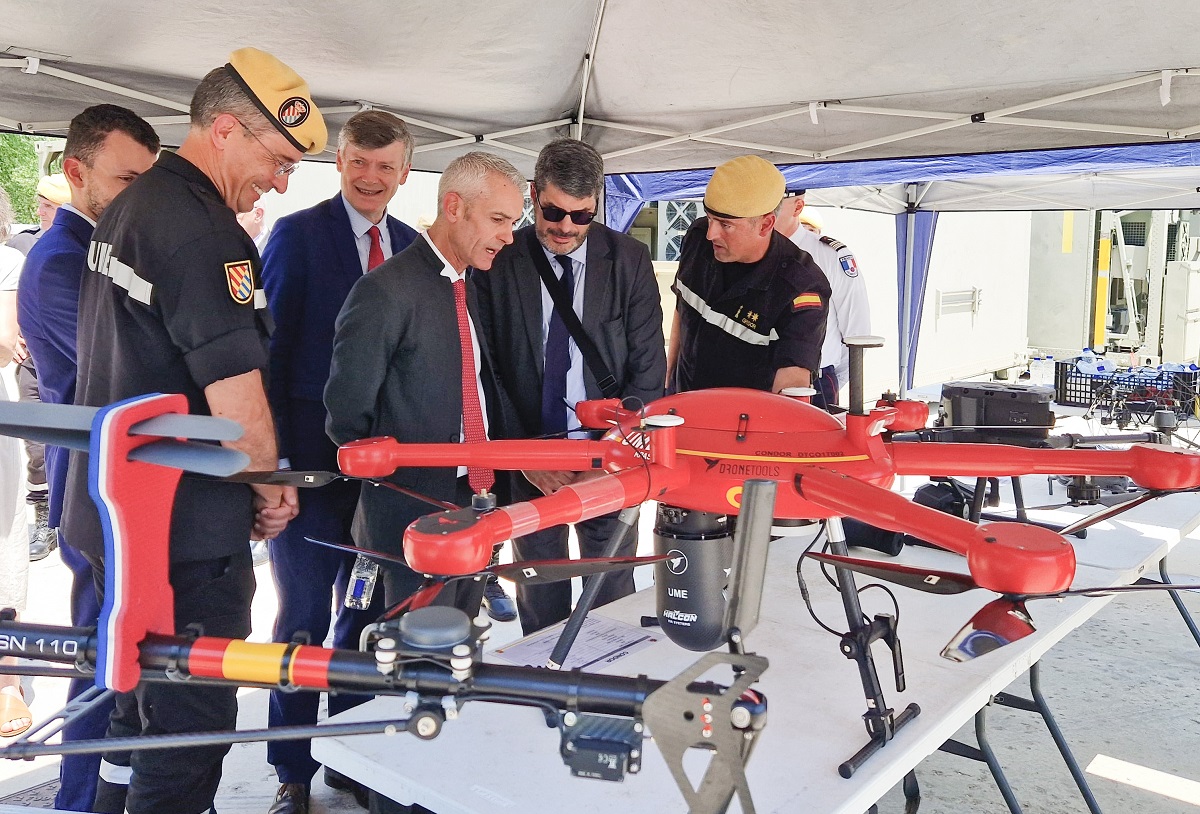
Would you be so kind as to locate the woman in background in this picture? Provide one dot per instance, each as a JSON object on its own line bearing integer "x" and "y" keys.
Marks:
{"x": 15, "y": 717}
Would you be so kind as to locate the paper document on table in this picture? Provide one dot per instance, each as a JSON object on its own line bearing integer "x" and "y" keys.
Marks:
{"x": 600, "y": 642}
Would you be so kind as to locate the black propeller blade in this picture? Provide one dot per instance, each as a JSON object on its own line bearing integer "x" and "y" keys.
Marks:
{"x": 537, "y": 572}
{"x": 922, "y": 579}
{"x": 313, "y": 478}
{"x": 530, "y": 572}
{"x": 1112, "y": 511}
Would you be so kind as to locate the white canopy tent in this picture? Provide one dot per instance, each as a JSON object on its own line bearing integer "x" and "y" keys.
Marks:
{"x": 675, "y": 85}
{"x": 655, "y": 86}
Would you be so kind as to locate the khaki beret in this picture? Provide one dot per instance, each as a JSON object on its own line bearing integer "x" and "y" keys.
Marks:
{"x": 54, "y": 188}
{"x": 744, "y": 187}
{"x": 282, "y": 96}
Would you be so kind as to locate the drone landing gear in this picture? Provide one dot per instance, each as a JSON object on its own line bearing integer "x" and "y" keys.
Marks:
{"x": 881, "y": 721}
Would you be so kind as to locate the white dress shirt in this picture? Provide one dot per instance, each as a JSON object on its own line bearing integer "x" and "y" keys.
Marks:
{"x": 362, "y": 241}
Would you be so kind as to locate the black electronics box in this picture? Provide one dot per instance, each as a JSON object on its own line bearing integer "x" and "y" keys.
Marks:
{"x": 996, "y": 404}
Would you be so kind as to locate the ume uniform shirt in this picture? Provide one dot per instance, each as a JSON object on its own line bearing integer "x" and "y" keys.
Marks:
{"x": 741, "y": 322}
{"x": 170, "y": 302}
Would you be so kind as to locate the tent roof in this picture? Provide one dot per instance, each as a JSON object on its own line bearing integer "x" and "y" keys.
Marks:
{"x": 1160, "y": 176}
{"x": 672, "y": 84}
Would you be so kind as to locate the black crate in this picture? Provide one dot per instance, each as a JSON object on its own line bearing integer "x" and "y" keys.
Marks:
{"x": 1075, "y": 389}
{"x": 1143, "y": 393}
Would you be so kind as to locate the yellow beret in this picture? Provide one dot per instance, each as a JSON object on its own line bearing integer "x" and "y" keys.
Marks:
{"x": 54, "y": 188}
{"x": 744, "y": 187}
{"x": 282, "y": 96}
{"x": 810, "y": 217}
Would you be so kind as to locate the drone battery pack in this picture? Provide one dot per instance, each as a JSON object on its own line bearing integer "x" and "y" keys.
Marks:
{"x": 995, "y": 404}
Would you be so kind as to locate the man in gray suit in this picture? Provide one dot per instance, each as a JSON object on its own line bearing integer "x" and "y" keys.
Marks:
{"x": 411, "y": 362}
{"x": 609, "y": 281}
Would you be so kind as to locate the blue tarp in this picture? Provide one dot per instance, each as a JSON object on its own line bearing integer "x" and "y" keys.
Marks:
{"x": 624, "y": 190}
{"x": 625, "y": 195}
{"x": 923, "y": 227}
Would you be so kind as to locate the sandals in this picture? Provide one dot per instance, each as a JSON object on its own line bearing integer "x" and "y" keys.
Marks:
{"x": 13, "y": 708}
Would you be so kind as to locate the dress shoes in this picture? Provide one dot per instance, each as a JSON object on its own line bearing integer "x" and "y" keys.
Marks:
{"x": 500, "y": 606}
{"x": 292, "y": 798}
{"x": 339, "y": 781}
{"x": 42, "y": 538}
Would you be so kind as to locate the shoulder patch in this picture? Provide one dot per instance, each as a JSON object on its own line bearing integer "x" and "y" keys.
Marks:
{"x": 832, "y": 242}
{"x": 809, "y": 299}
{"x": 848, "y": 265}
{"x": 240, "y": 277}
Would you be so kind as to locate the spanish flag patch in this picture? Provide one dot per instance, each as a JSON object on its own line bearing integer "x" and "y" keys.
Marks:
{"x": 807, "y": 300}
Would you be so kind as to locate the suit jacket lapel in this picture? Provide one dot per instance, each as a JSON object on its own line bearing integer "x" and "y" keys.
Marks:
{"x": 597, "y": 281}
{"x": 529, "y": 294}
{"x": 343, "y": 237}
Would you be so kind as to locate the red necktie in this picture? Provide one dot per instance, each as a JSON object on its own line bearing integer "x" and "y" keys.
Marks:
{"x": 481, "y": 479}
{"x": 375, "y": 256}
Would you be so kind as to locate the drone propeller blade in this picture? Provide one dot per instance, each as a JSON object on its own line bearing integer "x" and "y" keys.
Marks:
{"x": 349, "y": 549}
{"x": 1001, "y": 621}
{"x": 300, "y": 478}
{"x": 204, "y": 459}
{"x": 432, "y": 501}
{"x": 191, "y": 427}
{"x": 1125, "y": 589}
{"x": 537, "y": 572}
{"x": 1111, "y": 511}
{"x": 63, "y": 425}
{"x": 921, "y": 579}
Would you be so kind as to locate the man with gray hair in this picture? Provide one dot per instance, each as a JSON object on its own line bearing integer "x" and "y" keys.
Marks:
{"x": 567, "y": 262}
{"x": 312, "y": 260}
{"x": 410, "y": 360}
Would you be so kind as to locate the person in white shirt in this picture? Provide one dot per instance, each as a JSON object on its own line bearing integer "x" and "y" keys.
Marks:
{"x": 849, "y": 311}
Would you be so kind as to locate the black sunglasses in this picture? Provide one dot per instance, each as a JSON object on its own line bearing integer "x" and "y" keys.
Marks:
{"x": 555, "y": 214}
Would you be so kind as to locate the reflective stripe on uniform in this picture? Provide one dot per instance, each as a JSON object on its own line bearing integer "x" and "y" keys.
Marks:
{"x": 260, "y": 298}
{"x": 112, "y": 773}
{"x": 123, "y": 275}
{"x": 722, "y": 321}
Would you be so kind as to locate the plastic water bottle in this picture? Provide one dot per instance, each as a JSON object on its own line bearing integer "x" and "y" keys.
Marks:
{"x": 1091, "y": 364}
{"x": 1035, "y": 370}
{"x": 1051, "y": 371}
{"x": 362, "y": 583}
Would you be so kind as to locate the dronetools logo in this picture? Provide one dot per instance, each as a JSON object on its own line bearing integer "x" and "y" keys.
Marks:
{"x": 676, "y": 561}
{"x": 293, "y": 112}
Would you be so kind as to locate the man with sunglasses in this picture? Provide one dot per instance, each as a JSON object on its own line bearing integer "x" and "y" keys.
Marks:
{"x": 170, "y": 303}
{"x": 751, "y": 306}
{"x": 608, "y": 279}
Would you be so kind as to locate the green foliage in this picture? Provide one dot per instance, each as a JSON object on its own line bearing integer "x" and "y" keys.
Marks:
{"x": 19, "y": 174}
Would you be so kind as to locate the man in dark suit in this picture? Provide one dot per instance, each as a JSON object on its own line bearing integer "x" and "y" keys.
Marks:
{"x": 610, "y": 281}
{"x": 410, "y": 361}
{"x": 107, "y": 147}
{"x": 312, "y": 260}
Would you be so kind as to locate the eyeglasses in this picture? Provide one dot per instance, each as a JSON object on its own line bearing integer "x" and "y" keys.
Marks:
{"x": 283, "y": 167}
{"x": 555, "y": 214}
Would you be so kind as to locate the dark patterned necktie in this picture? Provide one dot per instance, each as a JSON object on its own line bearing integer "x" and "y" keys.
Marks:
{"x": 558, "y": 361}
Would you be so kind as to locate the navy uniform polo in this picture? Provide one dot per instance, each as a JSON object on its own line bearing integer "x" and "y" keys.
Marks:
{"x": 170, "y": 302}
{"x": 739, "y": 323}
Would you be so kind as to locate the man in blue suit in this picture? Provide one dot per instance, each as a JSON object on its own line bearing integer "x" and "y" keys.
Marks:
{"x": 310, "y": 263}
{"x": 107, "y": 147}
